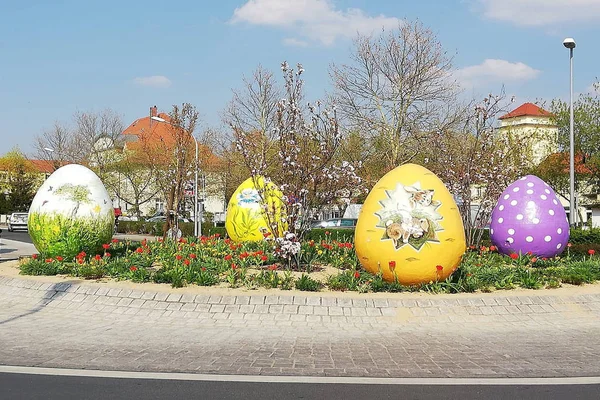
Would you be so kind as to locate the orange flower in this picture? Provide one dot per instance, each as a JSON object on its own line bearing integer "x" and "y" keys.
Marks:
{"x": 59, "y": 258}
{"x": 34, "y": 256}
{"x": 514, "y": 256}
{"x": 533, "y": 259}
{"x": 144, "y": 241}
{"x": 106, "y": 246}
{"x": 569, "y": 245}
{"x": 439, "y": 268}
{"x": 178, "y": 257}
{"x": 186, "y": 261}
{"x": 392, "y": 265}
{"x": 233, "y": 266}
{"x": 139, "y": 250}
{"x": 133, "y": 268}
{"x": 48, "y": 260}
{"x": 80, "y": 261}
{"x": 356, "y": 274}
{"x": 115, "y": 240}
{"x": 264, "y": 258}
{"x": 192, "y": 255}
{"x": 107, "y": 255}
{"x": 228, "y": 257}
{"x": 272, "y": 267}
{"x": 98, "y": 257}
{"x": 493, "y": 248}
{"x": 591, "y": 252}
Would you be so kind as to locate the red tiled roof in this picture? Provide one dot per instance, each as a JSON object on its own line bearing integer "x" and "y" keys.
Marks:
{"x": 43, "y": 166}
{"x": 148, "y": 135}
{"x": 527, "y": 109}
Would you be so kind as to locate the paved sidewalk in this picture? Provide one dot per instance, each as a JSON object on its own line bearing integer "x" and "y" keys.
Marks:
{"x": 74, "y": 324}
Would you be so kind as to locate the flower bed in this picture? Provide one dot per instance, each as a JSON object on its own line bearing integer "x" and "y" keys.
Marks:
{"x": 328, "y": 264}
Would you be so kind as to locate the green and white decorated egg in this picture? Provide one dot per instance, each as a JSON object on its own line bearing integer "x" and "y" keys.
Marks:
{"x": 71, "y": 212}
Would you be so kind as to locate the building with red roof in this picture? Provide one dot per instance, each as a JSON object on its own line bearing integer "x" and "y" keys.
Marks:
{"x": 534, "y": 127}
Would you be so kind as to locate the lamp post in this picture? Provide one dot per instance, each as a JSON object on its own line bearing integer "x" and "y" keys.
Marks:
{"x": 569, "y": 43}
{"x": 197, "y": 223}
{"x": 51, "y": 150}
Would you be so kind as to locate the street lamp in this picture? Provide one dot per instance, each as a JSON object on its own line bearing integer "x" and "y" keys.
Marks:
{"x": 569, "y": 43}
{"x": 197, "y": 222}
{"x": 51, "y": 150}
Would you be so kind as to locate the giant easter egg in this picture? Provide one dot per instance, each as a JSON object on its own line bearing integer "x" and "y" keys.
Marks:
{"x": 529, "y": 218}
{"x": 71, "y": 212}
{"x": 246, "y": 218}
{"x": 409, "y": 228}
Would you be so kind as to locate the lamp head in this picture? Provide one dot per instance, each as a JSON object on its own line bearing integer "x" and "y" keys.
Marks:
{"x": 569, "y": 43}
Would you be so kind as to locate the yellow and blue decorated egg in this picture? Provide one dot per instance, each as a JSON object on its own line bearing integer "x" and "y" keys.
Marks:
{"x": 251, "y": 214}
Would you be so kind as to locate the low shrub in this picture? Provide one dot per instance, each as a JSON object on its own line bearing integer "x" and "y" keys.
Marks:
{"x": 308, "y": 284}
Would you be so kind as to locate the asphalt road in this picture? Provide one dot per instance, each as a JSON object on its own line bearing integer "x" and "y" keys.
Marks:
{"x": 20, "y": 236}
{"x": 25, "y": 386}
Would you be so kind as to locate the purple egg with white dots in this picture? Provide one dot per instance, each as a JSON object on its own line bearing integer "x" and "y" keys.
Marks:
{"x": 529, "y": 218}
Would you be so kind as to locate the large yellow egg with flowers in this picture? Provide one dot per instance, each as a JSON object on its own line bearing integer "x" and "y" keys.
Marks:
{"x": 253, "y": 211}
{"x": 409, "y": 228}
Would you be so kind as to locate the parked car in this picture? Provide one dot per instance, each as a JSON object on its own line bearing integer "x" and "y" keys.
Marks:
{"x": 342, "y": 223}
{"x": 17, "y": 221}
{"x": 162, "y": 218}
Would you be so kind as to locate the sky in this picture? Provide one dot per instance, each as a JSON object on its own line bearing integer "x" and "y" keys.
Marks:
{"x": 62, "y": 56}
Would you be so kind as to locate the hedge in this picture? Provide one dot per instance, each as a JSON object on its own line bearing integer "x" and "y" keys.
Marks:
{"x": 578, "y": 236}
{"x": 156, "y": 228}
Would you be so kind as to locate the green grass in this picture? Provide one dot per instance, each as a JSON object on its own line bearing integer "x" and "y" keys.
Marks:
{"x": 57, "y": 235}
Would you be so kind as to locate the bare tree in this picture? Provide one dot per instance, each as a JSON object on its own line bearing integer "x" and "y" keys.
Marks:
{"x": 253, "y": 107}
{"x": 91, "y": 141}
{"x": 56, "y": 146}
{"x": 96, "y": 135}
{"x": 172, "y": 158}
{"x": 396, "y": 91}
{"x": 131, "y": 180}
{"x": 253, "y": 111}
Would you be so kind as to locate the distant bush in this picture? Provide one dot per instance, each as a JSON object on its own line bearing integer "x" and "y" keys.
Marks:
{"x": 156, "y": 228}
{"x": 341, "y": 235}
{"x": 587, "y": 236}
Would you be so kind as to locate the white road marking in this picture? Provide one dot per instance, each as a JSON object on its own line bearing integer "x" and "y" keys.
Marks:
{"x": 587, "y": 380}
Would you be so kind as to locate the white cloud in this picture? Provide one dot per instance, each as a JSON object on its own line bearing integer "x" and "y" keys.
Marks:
{"x": 493, "y": 71}
{"x": 157, "y": 81}
{"x": 540, "y": 12}
{"x": 294, "y": 42}
{"x": 317, "y": 20}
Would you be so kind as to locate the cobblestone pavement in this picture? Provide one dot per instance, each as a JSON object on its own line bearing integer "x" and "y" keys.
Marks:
{"x": 96, "y": 326}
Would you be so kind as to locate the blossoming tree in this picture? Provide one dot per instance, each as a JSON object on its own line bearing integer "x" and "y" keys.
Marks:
{"x": 300, "y": 155}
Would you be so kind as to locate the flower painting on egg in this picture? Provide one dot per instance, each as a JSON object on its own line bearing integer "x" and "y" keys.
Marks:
{"x": 409, "y": 216}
